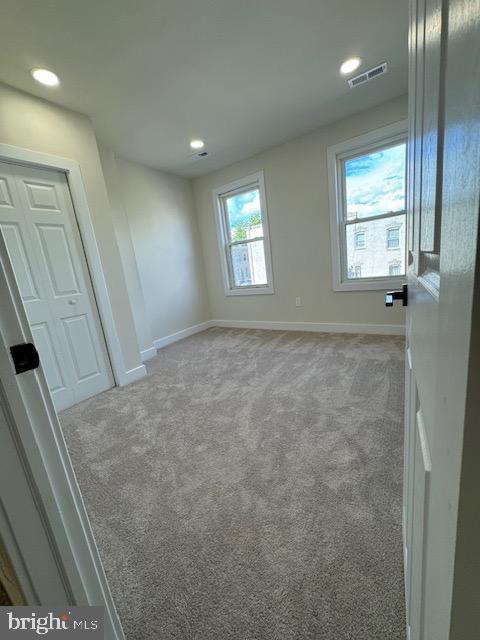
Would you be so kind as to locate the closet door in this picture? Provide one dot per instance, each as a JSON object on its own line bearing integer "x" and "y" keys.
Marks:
{"x": 44, "y": 244}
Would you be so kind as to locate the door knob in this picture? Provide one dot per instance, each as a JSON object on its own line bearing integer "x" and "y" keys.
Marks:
{"x": 72, "y": 302}
{"x": 402, "y": 295}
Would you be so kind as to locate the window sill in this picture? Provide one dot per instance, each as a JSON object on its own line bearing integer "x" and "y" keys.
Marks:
{"x": 374, "y": 284}
{"x": 249, "y": 291}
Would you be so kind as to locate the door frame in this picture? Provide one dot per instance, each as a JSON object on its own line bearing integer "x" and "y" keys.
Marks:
{"x": 27, "y": 157}
{"x": 44, "y": 526}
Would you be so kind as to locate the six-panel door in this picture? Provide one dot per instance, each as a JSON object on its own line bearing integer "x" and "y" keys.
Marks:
{"x": 426, "y": 40}
{"x": 39, "y": 227}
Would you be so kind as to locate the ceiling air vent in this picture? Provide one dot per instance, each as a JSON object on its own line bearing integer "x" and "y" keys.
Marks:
{"x": 368, "y": 75}
{"x": 199, "y": 155}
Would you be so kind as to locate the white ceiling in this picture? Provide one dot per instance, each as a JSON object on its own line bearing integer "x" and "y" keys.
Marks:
{"x": 241, "y": 74}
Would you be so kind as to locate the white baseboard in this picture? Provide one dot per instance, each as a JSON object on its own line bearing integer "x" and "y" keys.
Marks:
{"x": 133, "y": 374}
{"x": 148, "y": 354}
{"x": 338, "y": 327}
{"x": 380, "y": 329}
{"x": 334, "y": 327}
{"x": 159, "y": 343}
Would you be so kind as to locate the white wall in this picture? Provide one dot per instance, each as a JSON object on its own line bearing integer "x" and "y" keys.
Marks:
{"x": 161, "y": 218}
{"x": 298, "y": 208}
{"x": 32, "y": 123}
{"x": 127, "y": 252}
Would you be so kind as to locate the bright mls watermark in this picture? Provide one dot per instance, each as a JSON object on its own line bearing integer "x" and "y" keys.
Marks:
{"x": 51, "y": 622}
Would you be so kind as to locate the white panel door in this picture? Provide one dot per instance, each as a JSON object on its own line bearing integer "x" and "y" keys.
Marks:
{"x": 424, "y": 167}
{"x": 44, "y": 244}
{"x": 443, "y": 211}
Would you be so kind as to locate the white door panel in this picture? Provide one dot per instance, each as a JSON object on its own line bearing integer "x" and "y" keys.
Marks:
{"x": 48, "y": 358}
{"x": 82, "y": 346}
{"x": 20, "y": 262}
{"x": 44, "y": 244}
{"x": 41, "y": 196}
{"x": 56, "y": 253}
{"x": 24, "y": 258}
{"x": 5, "y": 195}
{"x": 420, "y": 496}
{"x": 443, "y": 227}
{"x": 423, "y": 276}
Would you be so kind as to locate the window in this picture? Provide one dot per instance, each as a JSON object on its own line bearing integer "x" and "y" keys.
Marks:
{"x": 242, "y": 227}
{"x": 367, "y": 178}
{"x": 355, "y": 271}
{"x": 393, "y": 238}
{"x": 360, "y": 241}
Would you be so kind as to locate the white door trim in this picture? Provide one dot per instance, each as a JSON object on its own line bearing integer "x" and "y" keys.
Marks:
{"x": 43, "y": 522}
{"x": 19, "y": 155}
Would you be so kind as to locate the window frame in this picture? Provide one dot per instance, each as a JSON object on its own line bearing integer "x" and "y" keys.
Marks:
{"x": 336, "y": 155}
{"x": 252, "y": 181}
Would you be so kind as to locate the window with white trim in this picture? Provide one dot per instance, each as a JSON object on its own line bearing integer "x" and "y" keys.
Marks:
{"x": 243, "y": 236}
{"x": 360, "y": 240}
{"x": 368, "y": 198}
{"x": 393, "y": 238}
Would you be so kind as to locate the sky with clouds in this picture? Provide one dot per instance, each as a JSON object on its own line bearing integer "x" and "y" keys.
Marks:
{"x": 375, "y": 183}
{"x": 241, "y": 206}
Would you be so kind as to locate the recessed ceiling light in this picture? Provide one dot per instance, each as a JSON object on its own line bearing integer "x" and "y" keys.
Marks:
{"x": 197, "y": 143}
{"x": 350, "y": 65}
{"x": 44, "y": 76}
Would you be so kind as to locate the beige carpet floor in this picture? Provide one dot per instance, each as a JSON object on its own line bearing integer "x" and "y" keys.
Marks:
{"x": 250, "y": 488}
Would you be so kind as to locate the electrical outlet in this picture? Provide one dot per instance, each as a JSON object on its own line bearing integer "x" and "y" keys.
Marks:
{"x": 298, "y": 302}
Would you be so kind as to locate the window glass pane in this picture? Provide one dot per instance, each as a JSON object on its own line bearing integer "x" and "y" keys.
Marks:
{"x": 248, "y": 264}
{"x": 376, "y": 259}
{"x": 375, "y": 182}
{"x": 243, "y": 213}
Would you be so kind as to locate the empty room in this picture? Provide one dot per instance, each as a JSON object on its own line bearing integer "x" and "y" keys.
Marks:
{"x": 239, "y": 319}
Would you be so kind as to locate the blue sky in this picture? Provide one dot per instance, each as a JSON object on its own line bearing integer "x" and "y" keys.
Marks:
{"x": 375, "y": 182}
{"x": 241, "y": 206}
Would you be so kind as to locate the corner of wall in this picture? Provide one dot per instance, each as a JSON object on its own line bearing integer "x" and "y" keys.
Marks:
{"x": 127, "y": 255}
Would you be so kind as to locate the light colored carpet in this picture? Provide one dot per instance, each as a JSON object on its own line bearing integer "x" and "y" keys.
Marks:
{"x": 250, "y": 488}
